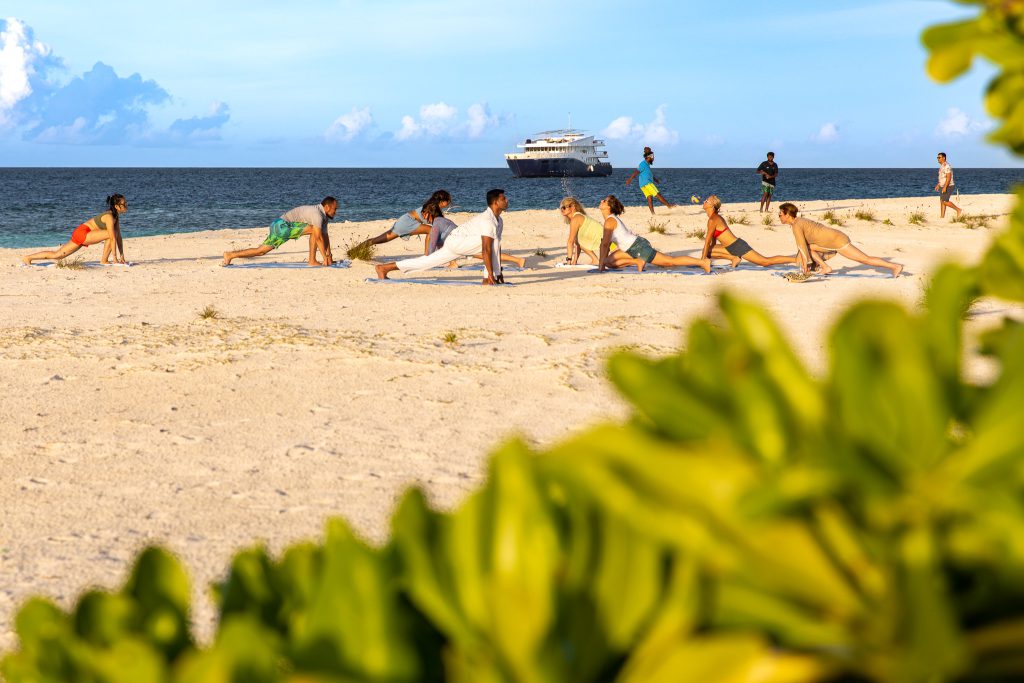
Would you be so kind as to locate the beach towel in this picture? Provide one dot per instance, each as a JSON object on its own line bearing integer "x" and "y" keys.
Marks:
{"x": 429, "y": 281}
{"x": 290, "y": 264}
{"x": 53, "y": 264}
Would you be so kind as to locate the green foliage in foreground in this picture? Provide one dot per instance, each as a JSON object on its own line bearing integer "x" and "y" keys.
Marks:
{"x": 750, "y": 522}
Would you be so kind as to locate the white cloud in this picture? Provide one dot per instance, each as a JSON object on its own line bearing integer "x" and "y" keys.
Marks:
{"x": 655, "y": 132}
{"x": 441, "y": 119}
{"x": 19, "y": 56}
{"x": 957, "y": 123}
{"x": 829, "y": 132}
{"x": 348, "y": 126}
{"x": 480, "y": 119}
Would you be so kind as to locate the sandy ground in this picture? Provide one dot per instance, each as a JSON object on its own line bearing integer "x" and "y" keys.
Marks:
{"x": 127, "y": 419}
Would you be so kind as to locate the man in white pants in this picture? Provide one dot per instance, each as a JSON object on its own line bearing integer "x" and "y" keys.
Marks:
{"x": 480, "y": 233}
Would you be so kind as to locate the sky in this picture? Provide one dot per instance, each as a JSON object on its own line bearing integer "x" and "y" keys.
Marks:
{"x": 457, "y": 83}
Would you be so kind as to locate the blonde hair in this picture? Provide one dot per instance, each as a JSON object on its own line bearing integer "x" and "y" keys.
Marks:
{"x": 716, "y": 203}
{"x": 576, "y": 207}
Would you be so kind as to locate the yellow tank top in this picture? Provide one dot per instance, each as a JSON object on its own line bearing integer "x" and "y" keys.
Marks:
{"x": 590, "y": 234}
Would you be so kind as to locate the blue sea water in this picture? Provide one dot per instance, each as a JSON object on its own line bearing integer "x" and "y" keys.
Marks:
{"x": 41, "y": 206}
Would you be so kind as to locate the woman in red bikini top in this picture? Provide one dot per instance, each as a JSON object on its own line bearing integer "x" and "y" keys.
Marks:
{"x": 103, "y": 228}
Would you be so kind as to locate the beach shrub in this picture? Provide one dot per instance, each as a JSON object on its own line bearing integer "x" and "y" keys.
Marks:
{"x": 749, "y": 521}
{"x": 697, "y": 233}
{"x": 888, "y": 221}
{"x": 916, "y": 218}
{"x": 831, "y": 217}
{"x": 364, "y": 251}
{"x": 738, "y": 219}
{"x": 767, "y": 219}
{"x": 864, "y": 215}
{"x": 209, "y": 313}
{"x": 660, "y": 227}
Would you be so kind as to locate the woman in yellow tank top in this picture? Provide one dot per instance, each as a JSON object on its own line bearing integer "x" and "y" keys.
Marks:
{"x": 584, "y": 232}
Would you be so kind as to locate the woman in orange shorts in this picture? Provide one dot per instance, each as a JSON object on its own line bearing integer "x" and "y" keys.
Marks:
{"x": 103, "y": 228}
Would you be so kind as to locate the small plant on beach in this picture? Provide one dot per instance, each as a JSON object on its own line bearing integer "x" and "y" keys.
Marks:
{"x": 972, "y": 221}
{"x": 916, "y": 218}
{"x": 767, "y": 220}
{"x": 77, "y": 263}
{"x": 660, "y": 228}
{"x": 738, "y": 219}
{"x": 831, "y": 217}
{"x": 864, "y": 215}
{"x": 450, "y": 338}
{"x": 362, "y": 252}
{"x": 539, "y": 251}
{"x": 696, "y": 233}
{"x": 209, "y": 313}
{"x": 887, "y": 221}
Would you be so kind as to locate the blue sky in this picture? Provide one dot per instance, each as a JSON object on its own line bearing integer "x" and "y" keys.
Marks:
{"x": 459, "y": 82}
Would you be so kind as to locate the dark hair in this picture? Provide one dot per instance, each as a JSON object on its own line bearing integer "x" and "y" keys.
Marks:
{"x": 942, "y": 154}
{"x": 615, "y": 205}
{"x": 788, "y": 209}
{"x": 112, "y": 202}
{"x": 771, "y": 154}
{"x": 493, "y": 195}
{"x": 328, "y": 200}
{"x": 431, "y": 208}
{"x": 434, "y": 201}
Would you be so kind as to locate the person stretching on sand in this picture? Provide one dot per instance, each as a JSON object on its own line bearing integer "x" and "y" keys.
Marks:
{"x": 310, "y": 219}
{"x": 413, "y": 222}
{"x": 584, "y": 232}
{"x": 634, "y": 250}
{"x": 945, "y": 186}
{"x": 479, "y": 235}
{"x": 647, "y": 181}
{"x": 811, "y": 238}
{"x": 104, "y": 228}
{"x": 443, "y": 226}
{"x": 721, "y": 243}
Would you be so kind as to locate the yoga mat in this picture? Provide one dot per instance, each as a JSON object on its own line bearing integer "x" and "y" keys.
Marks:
{"x": 53, "y": 264}
{"x": 290, "y": 264}
{"x": 428, "y": 281}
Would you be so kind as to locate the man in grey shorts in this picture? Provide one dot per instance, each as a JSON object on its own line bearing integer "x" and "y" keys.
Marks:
{"x": 945, "y": 186}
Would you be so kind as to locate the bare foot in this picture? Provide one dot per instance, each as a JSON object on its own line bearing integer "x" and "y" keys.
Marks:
{"x": 640, "y": 265}
{"x": 381, "y": 273}
{"x": 226, "y": 261}
{"x": 825, "y": 268}
{"x": 705, "y": 263}
{"x": 26, "y": 260}
{"x": 314, "y": 262}
{"x": 897, "y": 270}
{"x": 735, "y": 260}
{"x": 519, "y": 261}
{"x": 958, "y": 212}
{"x": 452, "y": 265}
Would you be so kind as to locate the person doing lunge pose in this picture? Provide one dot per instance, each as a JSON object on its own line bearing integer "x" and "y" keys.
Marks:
{"x": 721, "y": 243}
{"x": 632, "y": 249}
{"x": 413, "y": 222}
{"x": 813, "y": 238}
{"x": 309, "y": 220}
{"x": 479, "y": 235}
{"x": 104, "y": 228}
{"x": 585, "y": 233}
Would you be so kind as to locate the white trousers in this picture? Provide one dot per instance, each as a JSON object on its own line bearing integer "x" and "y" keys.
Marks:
{"x": 456, "y": 246}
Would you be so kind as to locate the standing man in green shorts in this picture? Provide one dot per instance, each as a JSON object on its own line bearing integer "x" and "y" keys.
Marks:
{"x": 310, "y": 219}
{"x": 769, "y": 171}
{"x": 647, "y": 181}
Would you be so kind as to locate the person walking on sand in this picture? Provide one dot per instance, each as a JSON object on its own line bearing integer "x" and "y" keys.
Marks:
{"x": 721, "y": 243}
{"x": 632, "y": 249}
{"x": 479, "y": 235}
{"x": 647, "y": 181}
{"x": 413, "y": 222}
{"x": 104, "y": 228}
{"x": 769, "y": 171}
{"x": 945, "y": 186}
{"x": 310, "y": 219}
{"x": 813, "y": 238}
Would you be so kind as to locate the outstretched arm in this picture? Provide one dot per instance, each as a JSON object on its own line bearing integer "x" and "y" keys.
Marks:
{"x": 803, "y": 256}
{"x": 572, "y": 249}
{"x": 487, "y": 245}
{"x": 606, "y": 241}
{"x": 630, "y": 178}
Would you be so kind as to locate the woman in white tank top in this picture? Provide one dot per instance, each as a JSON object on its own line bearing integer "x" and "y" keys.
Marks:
{"x": 634, "y": 250}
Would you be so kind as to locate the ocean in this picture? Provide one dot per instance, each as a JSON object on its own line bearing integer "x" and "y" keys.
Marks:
{"x": 41, "y": 206}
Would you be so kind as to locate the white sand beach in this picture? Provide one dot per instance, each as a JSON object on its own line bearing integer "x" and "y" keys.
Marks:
{"x": 128, "y": 419}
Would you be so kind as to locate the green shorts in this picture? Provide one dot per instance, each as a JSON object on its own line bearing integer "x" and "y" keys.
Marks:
{"x": 281, "y": 231}
{"x": 642, "y": 250}
{"x": 767, "y": 188}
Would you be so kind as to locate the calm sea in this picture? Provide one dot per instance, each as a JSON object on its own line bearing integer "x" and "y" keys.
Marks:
{"x": 40, "y": 206}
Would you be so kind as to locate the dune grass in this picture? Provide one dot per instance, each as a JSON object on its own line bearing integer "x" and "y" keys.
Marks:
{"x": 832, "y": 218}
{"x": 362, "y": 252}
{"x": 864, "y": 215}
{"x": 916, "y": 218}
{"x": 209, "y": 313}
{"x": 77, "y": 263}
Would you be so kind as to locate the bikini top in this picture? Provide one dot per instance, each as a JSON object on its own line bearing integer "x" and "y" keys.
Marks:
{"x": 716, "y": 233}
